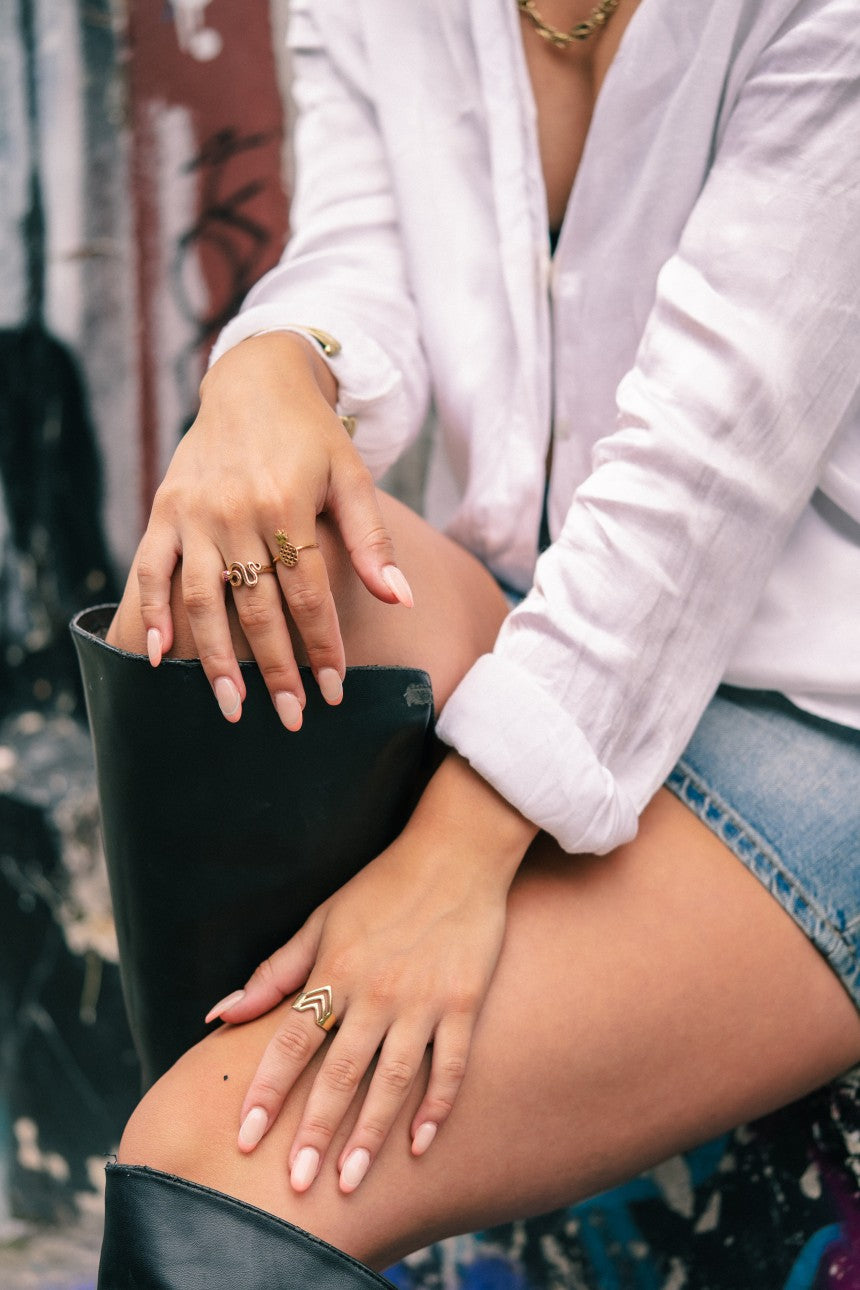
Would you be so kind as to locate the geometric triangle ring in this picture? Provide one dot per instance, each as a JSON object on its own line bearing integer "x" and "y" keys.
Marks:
{"x": 319, "y": 1003}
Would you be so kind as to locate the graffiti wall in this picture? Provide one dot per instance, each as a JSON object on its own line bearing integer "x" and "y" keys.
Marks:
{"x": 144, "y": 185}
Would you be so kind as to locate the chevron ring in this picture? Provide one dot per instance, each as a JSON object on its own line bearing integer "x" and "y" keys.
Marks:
{"x": 319, "y": 1003}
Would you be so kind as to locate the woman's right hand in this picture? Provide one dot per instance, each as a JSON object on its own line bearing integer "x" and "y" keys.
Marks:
{"x": 267, "y": 452}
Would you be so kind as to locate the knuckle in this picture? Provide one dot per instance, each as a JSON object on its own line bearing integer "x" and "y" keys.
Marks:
{"x": 373, "y": 1131}
{"x": 395, "y": 1075}
{"x": 147, "y": 570}
{"x": 341, "y": 1074}
{"x": 199, "y": 598}
{"x": 264, "y": 974}
{"x": 438, "y": 1108}
{"x": 320, "y": 1129}
{"x": 378, "y": 539}
{"x": 463, "y": 1000}
{"x": 293, "y": 1043}
{"x": 453, "y": 1068}
{"x": 256, "y": 614}
{"x": 266, "y": 1091}
{"x": 307, "y": 600}
{"x": 382, "y": 992}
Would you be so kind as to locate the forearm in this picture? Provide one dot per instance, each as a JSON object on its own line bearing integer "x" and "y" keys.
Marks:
{"x": 461, "y": 816}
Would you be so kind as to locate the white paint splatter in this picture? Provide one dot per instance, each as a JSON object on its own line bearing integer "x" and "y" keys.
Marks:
{"x": 30, "y": 1155}
{"x": 710, "y": 1215}
{"x": 677, "y": 1278}
{"x": 810, "y": 1182}
{"x": 195, "y": 38}
{"x": 674, "y": 1182}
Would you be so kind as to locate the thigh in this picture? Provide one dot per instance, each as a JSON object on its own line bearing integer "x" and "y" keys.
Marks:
{"x": 458, "y": 606}
{"x": 644, "y": 1001}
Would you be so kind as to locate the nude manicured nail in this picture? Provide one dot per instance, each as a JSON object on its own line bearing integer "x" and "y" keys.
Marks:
{"x": 227, "y": 696}
{"x": 305, "y": 1168}
{"x": 222, "y": 1005}
{"x": 253, "y": 1127}
{"x": 154, "y": 646}
{"x": 355, "y": 1167}
{"x": 330, "y": 684}
{"x": 289, "y": 710}
{"x": 397, "y": 584}
{"x": 424, "y": 1135}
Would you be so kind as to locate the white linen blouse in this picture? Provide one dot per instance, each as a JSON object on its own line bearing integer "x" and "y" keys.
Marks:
{"x": 692, "y": 351}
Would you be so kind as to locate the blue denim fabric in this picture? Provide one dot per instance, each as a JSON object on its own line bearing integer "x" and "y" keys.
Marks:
{"x": 781, "y": 788}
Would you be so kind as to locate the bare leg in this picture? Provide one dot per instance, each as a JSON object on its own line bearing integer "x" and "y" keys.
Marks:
{"x": 643, "y": 1002}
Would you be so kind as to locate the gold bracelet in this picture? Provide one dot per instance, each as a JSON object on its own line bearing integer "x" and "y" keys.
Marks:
{"x": 330, "y": 346}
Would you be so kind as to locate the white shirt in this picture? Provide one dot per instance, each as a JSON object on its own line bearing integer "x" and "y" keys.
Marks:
{"x": 693, "y": 347}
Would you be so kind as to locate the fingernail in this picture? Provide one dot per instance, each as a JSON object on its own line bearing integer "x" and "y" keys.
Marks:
{"x": 330, "y": 684}
{"x": 397, "y": 584}
{"x": 424, "y": 1135}
{"x": 355, "y": 1167}
{"x": 154, "y": 646}
{"x": 305, "y": 1168}
{"x": 289, "y": 710}
{"x": 227, "y": 696}
{"x": 253, "y": 1127}
{"x": 222, "y": 1005}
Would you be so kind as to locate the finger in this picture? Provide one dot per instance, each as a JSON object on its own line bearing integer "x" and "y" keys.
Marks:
{"x": 333, "y": 1091}
{"x": 278, "y": 976}
{"x": 157, "y": 558}
{"x": 307, "y": 592}
{"x": 260, "y": 610}
{"x": 295, "y": 1042}
{"x": 354, "y": 505}
{"x": 399, "y": 1062}
{"x": 205, "y": 605}
{"x": 451, "y": 1044}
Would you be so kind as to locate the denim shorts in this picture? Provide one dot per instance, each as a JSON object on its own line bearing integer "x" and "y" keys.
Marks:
{"x": 781, "y": 789}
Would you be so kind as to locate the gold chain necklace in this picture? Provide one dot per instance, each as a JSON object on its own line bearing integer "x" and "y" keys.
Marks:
{"x": 596, "y": 20}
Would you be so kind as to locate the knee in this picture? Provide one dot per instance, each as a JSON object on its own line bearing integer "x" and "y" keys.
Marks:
{"x": 176, "y": 1127}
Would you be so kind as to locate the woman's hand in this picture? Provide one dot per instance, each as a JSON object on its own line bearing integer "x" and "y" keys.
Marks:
{"x": 266, "y": 453}
{"x": 408, "y": 948}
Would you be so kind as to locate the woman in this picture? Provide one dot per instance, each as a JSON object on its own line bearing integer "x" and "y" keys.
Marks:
{"x": 558, "y": 972}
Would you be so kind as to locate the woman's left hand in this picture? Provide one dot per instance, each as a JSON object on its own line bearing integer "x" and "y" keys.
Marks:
{"x": 408, "y": 948}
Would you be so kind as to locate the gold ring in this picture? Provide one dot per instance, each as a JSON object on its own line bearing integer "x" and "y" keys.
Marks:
{"x": 248, "y": 573}
{"x": 288, "y": 552}
{"x": 319, "y": 1003}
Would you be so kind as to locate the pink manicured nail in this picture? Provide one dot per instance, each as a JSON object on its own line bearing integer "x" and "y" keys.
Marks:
{"x": 222, "y": 1005}
{"x": 330, "y": 684}
{"x": 289, "y": 710}
{"x": 424, "y": 1135}
{"x": 305, "y": 1168}
{"x": 253, "y": 1127}
{"x": 397, "y": 584}
{"x": 227, "y": 696}
{"x": 355, "y": 1167}
{"x": 154, "y": 646}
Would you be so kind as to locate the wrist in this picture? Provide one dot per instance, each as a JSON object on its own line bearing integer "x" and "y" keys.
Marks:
{"x": 466, "y": 814}
{"x": 292, "y": 356}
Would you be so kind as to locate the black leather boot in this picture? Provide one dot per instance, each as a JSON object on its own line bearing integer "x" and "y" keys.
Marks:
{"x": 164, "y": 1233}
{"x": 221, "y": 839}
